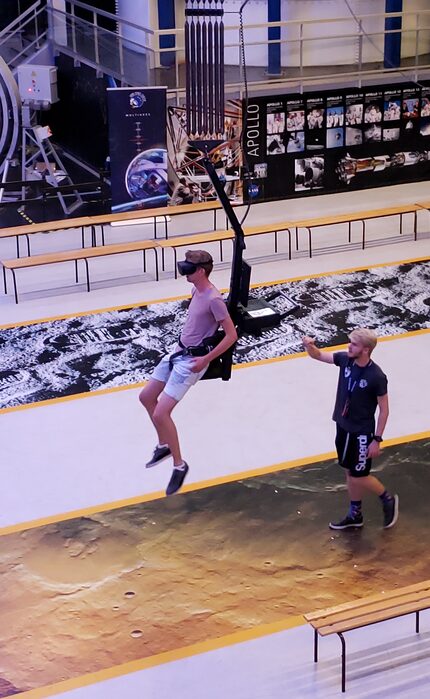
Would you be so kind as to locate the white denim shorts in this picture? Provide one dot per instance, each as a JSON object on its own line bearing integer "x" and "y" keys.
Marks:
{"x": 180, "y": 378}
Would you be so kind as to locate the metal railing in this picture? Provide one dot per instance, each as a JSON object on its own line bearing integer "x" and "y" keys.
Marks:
{"x": 132, "y": 54}
{"x": 28, "y": 32}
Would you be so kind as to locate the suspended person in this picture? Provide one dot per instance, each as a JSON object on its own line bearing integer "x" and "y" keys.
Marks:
{"x": 362, "y": 387}
{"x": 187, "y": 363}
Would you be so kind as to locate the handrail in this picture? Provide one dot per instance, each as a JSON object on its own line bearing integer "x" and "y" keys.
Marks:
{"x": 18, "y": 20}
{"x": 40, "y": 37}
{"x": 103, "y": 13}
{"x": 72, "y": 19}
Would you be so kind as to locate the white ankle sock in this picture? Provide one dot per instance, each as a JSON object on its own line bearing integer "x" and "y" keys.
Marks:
{"x": 180, "y": 467}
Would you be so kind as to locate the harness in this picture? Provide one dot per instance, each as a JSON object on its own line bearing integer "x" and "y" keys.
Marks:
{"x": 206, "y": 345}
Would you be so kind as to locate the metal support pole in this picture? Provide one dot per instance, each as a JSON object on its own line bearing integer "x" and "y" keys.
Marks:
{"x": 239, "y": 240}
{"x": 342, "y": 640}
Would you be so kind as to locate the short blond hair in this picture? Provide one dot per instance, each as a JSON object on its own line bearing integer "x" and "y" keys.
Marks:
{"x": 368, "y": 338}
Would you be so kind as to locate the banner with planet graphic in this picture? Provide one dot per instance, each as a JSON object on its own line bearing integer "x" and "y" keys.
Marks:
{"x": 138, "y": 149}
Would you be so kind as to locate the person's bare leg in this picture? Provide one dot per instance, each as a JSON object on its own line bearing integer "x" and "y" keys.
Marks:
{"x": 373, "y": 485}
{"x": 149, "y": 398}
{"x": 356, "y": 486}
{"x": 165, "y": 426}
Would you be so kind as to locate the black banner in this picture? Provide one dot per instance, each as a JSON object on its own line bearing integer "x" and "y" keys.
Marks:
{"x": 332, "y": 141}
{"x": 138, "y": 150}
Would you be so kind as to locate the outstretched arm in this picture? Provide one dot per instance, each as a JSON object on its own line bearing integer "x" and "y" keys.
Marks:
{"x": 315, "y": 353}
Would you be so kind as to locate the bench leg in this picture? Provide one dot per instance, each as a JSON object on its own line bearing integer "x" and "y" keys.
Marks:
{"x": 220, "y": 250}
{"x": 4, "y": 280}
{"x": 174, "y": 262}
{"x": 401, "y": 224}
{"x": 93, "y": 236}
{"x": 417, "y": 622}
{"x": 276, "y": 241}
{"x": 310, "y": 241}
{"x": 162, "y": 259}
{"x": 342, "y": 640}
{"x": 76, "y": 272}
{"x": 289, "y": 243}
{"x": 315, "y": 646}
{"x": 363, "y": 234}
{"x": 214, "y": 220}
{"x": 144, "y": 260}
{"x": 156, "y": 264}
{"x": 88, "y": 274}
{"x": 415, "y": 225}
{"x": 166, "y": 232}
{"x": 297, "y": 238}
{"x": 349, "y": 231}
{"x": 103, "y": 233}
{"x": 17, "y": 246}
{"x": 83, "y": 236}
{"x": 14, "y": 286}
{"x": 28, "y": 244}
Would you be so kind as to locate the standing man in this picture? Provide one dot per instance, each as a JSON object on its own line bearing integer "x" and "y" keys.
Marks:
{"x": 362, "y": 387}
{"x": 182, "y": 368}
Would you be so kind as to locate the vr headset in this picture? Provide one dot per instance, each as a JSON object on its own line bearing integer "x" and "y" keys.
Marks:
{"x": 185, "y": 268}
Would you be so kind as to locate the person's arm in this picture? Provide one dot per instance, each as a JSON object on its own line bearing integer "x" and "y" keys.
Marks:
{"x": 314, "y": 352}
{"x": 230, "y": 338}
{"x": 374, "y": 446}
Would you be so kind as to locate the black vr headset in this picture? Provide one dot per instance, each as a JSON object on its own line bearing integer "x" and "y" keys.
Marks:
{"x": 185, "y": 268}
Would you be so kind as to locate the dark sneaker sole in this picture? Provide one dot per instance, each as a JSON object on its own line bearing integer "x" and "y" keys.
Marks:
{"x": 177, "y": 480}
{"x": 338, "y": 527}
{"x": 150, "y": 464}
{"x": 396, "y": 513}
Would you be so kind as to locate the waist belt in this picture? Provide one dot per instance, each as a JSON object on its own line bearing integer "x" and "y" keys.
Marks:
{"x": 193, "y": 351}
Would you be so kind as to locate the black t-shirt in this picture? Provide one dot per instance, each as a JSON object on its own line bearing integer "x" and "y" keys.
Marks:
{"x": 358, "y": 388}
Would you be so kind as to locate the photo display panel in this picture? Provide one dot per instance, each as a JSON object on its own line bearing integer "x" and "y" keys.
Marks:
{"x": 425, "y": 111}
{"x": 322, "y": 142}
{"x": 335, "y": 118}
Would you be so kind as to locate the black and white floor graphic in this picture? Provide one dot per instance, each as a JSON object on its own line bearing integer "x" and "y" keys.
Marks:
{"x": 53, "y": 359}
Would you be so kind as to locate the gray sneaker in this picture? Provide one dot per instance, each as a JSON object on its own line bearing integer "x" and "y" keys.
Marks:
{"x": 391, "y": 511}
{"x": 159, "y": 454}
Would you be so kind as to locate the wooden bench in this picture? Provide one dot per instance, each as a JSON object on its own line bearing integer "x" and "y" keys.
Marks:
{"x": 220, "y": 236}
{"x": 349, "y": 218}
{"x": 367, "y": 611}
{"x": 161, "y": 212}
{"x": 50, "y": 226}
{"x": 183, "y": 241}
{"x": 102, "y": 220}
{"x": 75, "y": 256}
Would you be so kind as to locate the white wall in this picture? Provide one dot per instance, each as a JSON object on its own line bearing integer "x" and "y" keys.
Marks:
{"x": 320, "y": 49}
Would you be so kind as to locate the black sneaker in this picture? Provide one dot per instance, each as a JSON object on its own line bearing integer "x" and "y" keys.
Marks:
{"x": 391, "y": 511}
{"x": 348, "y": 523}
{"x": 177, "y": 479}
{"x": 159, "y": 454}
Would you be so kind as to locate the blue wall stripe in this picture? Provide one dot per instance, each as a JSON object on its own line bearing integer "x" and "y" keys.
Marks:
{"x": 393, "y": 42}
{"x": 166, "y": 20}
{"x": 274, "y": 50}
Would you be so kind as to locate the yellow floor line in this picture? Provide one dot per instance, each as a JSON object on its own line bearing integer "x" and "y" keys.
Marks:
{"x": 208, "y": 483}
{"x": 109, "y": 309}
{"x": 163, "y": 658}
{"x": 244, "y": 365}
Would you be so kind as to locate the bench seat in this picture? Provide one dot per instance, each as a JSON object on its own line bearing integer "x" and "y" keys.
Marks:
{"x": 367, "y": 611}
{"x": 75, "y": 256}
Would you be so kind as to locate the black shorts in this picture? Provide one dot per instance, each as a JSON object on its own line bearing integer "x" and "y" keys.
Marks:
{"x": 352, "y": 452}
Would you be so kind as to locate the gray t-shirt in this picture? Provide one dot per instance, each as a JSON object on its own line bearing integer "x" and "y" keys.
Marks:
{"x": 206, "y": 311}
